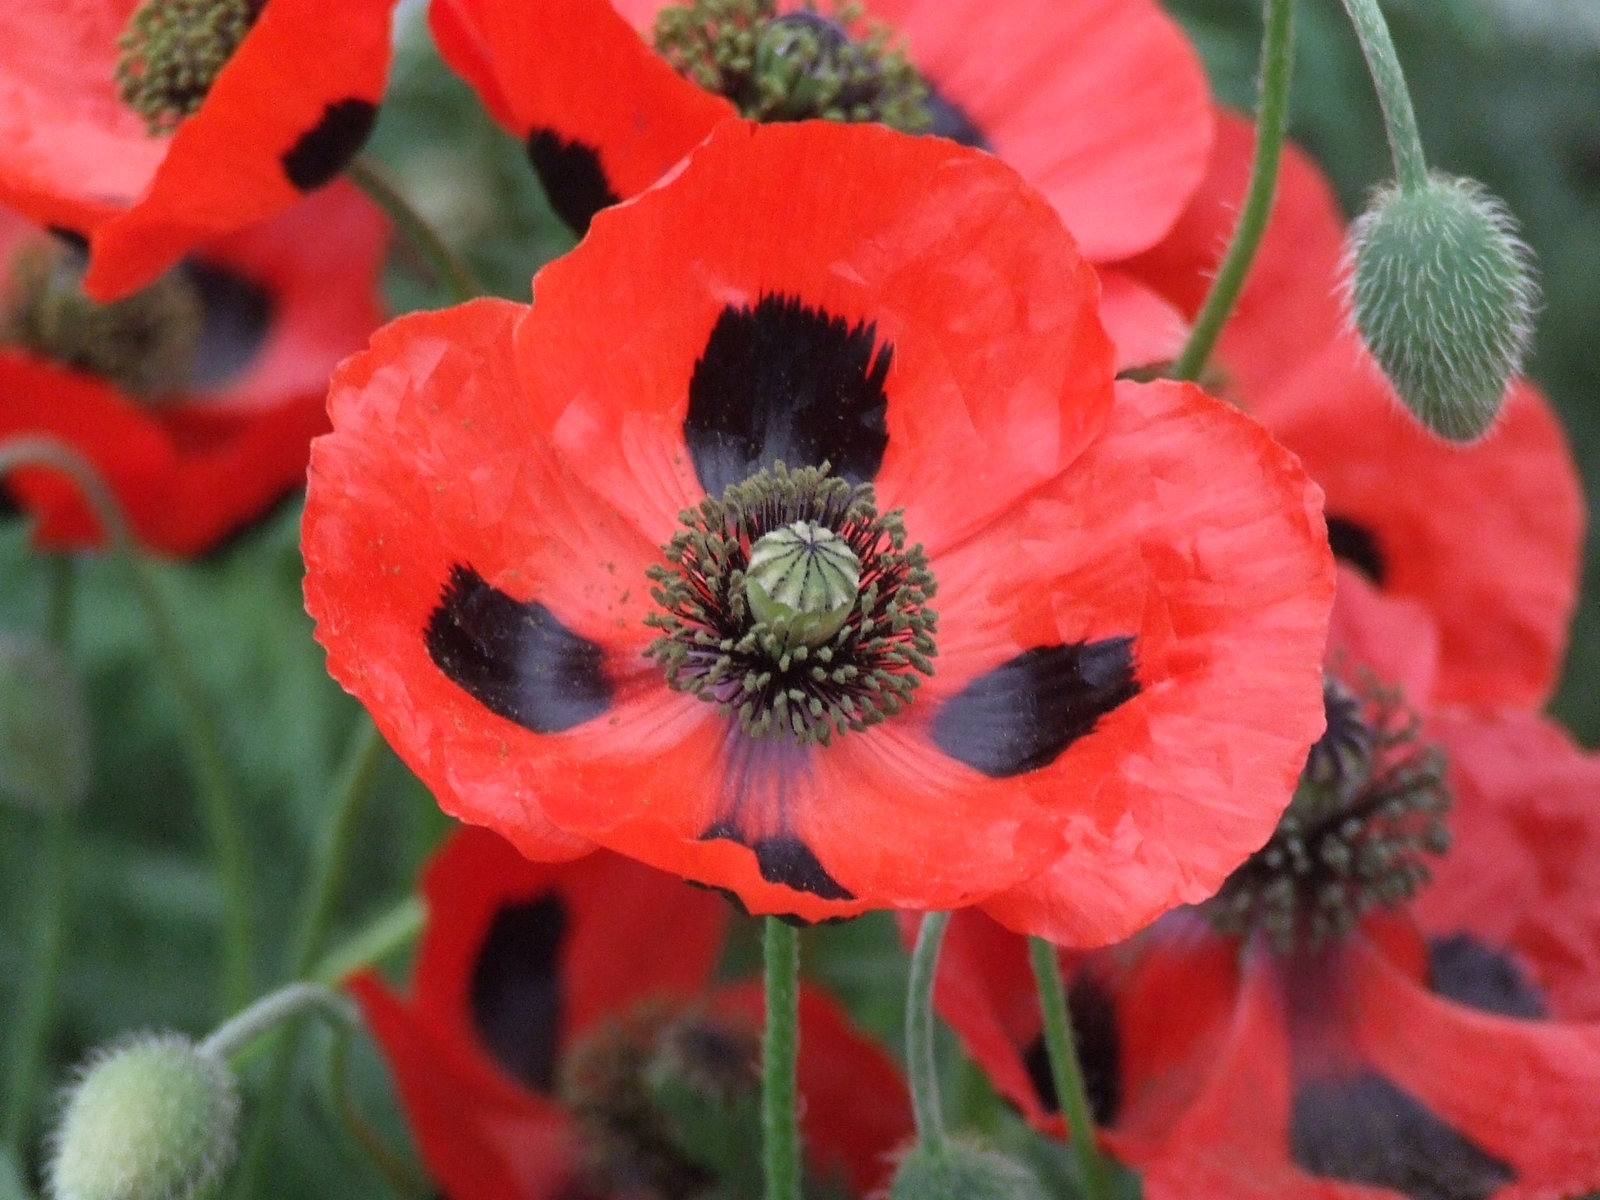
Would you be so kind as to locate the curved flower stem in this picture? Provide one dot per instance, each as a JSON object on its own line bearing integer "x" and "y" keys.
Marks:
{"x": 1399, "y": 118}
{"x": 920, "y": 1061}
{"x": 1065, "y": 1071}
{"x": 448, "y": 267}
{"x": 286, "y": 1004}
{"x": 1272, "y": 123}
{"x": 219, "y": 801}
{"x": 390, "y": 932}
{"x": 780, "y": 1046}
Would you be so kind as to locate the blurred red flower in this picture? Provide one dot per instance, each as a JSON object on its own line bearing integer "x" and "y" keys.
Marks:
{"x": 270, "y": 311}
{"x": 293, "y": 102}
{"x": 532, "y": 981}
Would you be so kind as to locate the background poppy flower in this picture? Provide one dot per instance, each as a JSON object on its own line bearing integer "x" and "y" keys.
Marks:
{"x": 1445, "y": 1050}
{"x": 280, "y": 304}
{"x": 290, "y": 107}
{"x": 523, "y": 968}
{"x": 1488, "y": 536}
{"x": 1132, "y": 581}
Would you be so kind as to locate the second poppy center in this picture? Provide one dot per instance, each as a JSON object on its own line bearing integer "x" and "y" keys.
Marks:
{"x": 172, "y": 52}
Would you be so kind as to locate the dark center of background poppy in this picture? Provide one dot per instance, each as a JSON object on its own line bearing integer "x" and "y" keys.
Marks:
{"x": 1369, "y": 806}
{"x": 172, "y": 52}
{"x": 796, "y": 66}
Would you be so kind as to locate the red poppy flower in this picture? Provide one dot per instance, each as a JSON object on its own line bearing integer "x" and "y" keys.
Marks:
{"x": 1487, "y": 536}
{"x": 275, "y": 308}
{"x": 1131, "y": 585}
{"x": 1101, "y": 104}
{"x": 529, "y": 979}
{"x": 289, "y": 108}
{"x": 1447, "y": 1051}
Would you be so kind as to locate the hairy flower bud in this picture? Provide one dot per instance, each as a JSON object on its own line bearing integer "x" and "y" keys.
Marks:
{"x": 150, "y": 1118}
{"x": 1442, "y": 293}
{"x": 963, "y": 1170}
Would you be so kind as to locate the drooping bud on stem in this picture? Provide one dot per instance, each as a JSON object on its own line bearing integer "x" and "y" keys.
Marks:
{"x": 1442, "y": 294}
{"x": 963, "y": 1170}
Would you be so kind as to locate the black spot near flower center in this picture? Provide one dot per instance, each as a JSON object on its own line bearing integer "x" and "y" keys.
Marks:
{"x": 516, "y": 991}
{"x": 783, "y": 382}
{"x": 236, "y": 317}
{"x": 574, "y": 181}
{"x": 1357, "y": 545}
{"x": 786, "y": 860}
{"x": 1099, "y": 1044}
{"x": 950, "y": 120}
{"x": 323, "y": 150}
{"x": 1025, "y": 713}
{"x": 514, "y": 657}
{"x": 1463, "y": 969}
{"x": 1364, "y": 1129}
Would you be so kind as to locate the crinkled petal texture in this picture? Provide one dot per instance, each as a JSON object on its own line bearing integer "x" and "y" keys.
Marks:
{"x": 283, "y": 302}
{"x": 1133, "y": 596}
{"x": 1100, "y": 104}
{"x": 284, "y": 115}
{"x": 519, "y": 962}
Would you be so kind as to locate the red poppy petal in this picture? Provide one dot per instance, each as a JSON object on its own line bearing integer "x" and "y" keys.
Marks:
{"x": 1187, "y": 527}
{"x": 1101, "y": 104}
{"x": 999, "y": 367}
{"x": 482, "y": 1137}
{"x": 1390, "y": 640}
{"x": 1488, "y": 536}
{"x": 1145, "y": 327}
{"x": 1523, "y": 871}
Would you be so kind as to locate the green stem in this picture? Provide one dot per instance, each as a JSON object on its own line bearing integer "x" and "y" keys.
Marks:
{"x": 286, "y": 1004}
{"x": 1065, "y": 1071}
{"x": 1272, "y": 123}
{"x": 920, "y": 1062}
{"x": 1399, "y": 118}
{"x": 780, "y": 1046}
{"x": 448, "y": 267}
{"x": 391, "y": 932}
{"x": 219, "y": 802}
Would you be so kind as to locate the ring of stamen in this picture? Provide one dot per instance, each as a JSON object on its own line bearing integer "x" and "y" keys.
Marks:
{"x": 172, "y": 52}
{"x": 713, "y": 644}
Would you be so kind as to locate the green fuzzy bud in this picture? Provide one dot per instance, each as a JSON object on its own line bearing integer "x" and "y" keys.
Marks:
{"x": 1442, "y": 293}
{"x": 963, "y": 1170}
{"x": 150, "y": 1118}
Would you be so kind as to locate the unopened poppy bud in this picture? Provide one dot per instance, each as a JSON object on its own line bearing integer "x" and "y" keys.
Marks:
{"x": 962, "y": 1170}
{"x": 150, "y": 1118}
{"x": 806, "y": 577}
{"x": 1442, "y": 293}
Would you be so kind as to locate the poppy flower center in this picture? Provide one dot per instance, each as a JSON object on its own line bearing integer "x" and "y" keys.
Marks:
{"x": 794, "y": 67}
{"x": 793, "y": 604}
{"x": 1369, "y": 806}
{"x": 173, "y": 51}
{"x": 146, "y": 344}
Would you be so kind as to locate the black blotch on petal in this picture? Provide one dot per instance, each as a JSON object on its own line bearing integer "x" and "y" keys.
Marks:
{"x": 786, "y": 860}
{"x": 1094, "y": 1030}
{"x": 71, "y": 237}
{"x": 951, "y": 121}
{"x": 515, "y": 658}
{"x": 1463, "y": 969}
{"x": 238, "y": 314}
{"x": 783, "y": 382}
{"x": 1357, "y": 545}
{"x": 9, "y": 506}
{"x": 323, "y": 150}
{"x": 516, "y": 991}
{"x": 574, "y": 181}
{"x": 1364, "y": 1129}
{"x": 1024, "y": 713}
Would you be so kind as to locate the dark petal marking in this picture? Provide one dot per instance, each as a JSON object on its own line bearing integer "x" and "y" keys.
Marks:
{"x": 1364, "y": 1129}
{"x": 516, "y": 992}
{"x": 1094, "y": 1032}
{"x": 238, "y": 314}
{"x": 1463, "y": 969}
{"x": 1357, "y": 545}
{"x": 1023, "y": 714}
{"x": 786, "y": 860}
{"x": 72, "y": 238}
{"x": 515, "y": 658}
{"x": 951, "y": 121}
{"x": 574, "y": 181}
{"x": 9, "y": 505}
{"x": 324, "y": 149}
{"x": 784, "y": 382}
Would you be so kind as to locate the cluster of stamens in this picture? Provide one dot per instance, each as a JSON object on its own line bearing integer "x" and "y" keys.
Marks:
{"x": 1370, "y": 805}
{"x": 173, "y": 51}
{"x": 795, "y": 66}
{"x": 145, "y": 344}
{"x": 784, "y": 672}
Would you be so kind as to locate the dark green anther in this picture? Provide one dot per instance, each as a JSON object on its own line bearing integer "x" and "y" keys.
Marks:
{"x": 173, "y": 51}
